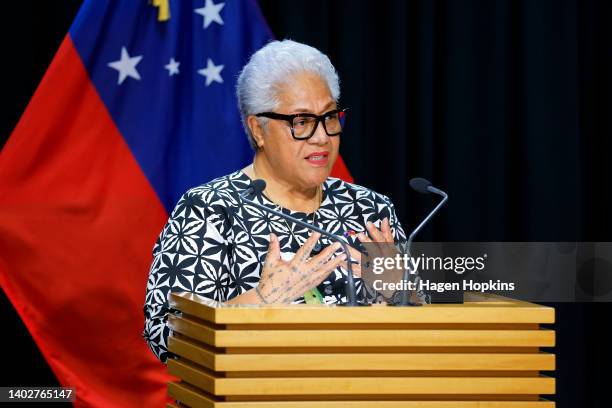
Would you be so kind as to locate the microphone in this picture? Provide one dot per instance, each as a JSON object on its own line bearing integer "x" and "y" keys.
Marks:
{"x": 257, "y": 187}
{"x": 423, "y": 186}
{"x": 420, "y": 185}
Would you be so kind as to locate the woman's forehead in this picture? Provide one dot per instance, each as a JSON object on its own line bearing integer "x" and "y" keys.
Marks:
{"x": 305, "y": 93}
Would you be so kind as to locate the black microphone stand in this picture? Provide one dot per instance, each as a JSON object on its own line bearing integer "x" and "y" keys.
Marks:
{"x": 422, "y": 186}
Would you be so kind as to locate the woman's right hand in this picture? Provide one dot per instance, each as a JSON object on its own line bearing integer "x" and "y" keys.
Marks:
{"x": 284, "y": 281}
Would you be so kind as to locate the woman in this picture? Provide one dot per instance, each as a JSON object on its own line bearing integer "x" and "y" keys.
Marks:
{"x": 217, "y": 247}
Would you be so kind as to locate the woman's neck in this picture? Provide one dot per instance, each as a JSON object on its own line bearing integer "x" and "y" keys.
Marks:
{"x": 281, "y": 191}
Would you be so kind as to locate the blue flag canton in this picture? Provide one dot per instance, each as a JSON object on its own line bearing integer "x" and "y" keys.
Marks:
{"x": 170, "y": 86}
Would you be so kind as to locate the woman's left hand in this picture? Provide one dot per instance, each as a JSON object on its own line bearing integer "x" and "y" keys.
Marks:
{"x": 384, "y": 235}
{"x": 385, "y": 245}
{"x": 381, "y": 236}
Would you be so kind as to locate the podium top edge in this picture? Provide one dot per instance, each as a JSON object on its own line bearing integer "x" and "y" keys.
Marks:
{"x": 478, "y": 308}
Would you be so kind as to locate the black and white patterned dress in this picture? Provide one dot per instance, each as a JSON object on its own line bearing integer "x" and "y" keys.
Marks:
{"x": 215, "y": 246}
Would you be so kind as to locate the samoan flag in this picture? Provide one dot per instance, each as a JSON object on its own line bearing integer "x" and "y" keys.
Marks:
{"x": 137, "y": 106}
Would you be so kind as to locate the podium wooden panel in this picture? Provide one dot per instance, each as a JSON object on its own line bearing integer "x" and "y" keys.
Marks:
{"x": 485, "y": 353}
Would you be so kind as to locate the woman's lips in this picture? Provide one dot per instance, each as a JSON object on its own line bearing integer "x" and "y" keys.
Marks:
{"x": 318, "y": 159}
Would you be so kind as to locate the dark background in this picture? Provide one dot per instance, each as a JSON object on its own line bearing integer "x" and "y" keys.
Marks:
{"x": 504, "y": 104}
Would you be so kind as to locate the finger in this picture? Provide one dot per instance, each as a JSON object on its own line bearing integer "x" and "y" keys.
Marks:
{"x": 355, "y": 268}
{"x": 317, "y": 261}
{"x": 318, "y": 275}
{"x": 374, "y": 232}
{"x": 372, "y": 247}
{"x": 273, "y": 251}
{"x": 363, "y": 238}
{"x": 368, "y": 243}
{"x": 326, "y": 268}
{"x": 325, "y": 256}
{"x": 303, "y": 253}
{"x": 375, "y": 236}
{"x": 386, "y": 230}
{"x": 355, "y": 255}
{"x": 355, "y": 262}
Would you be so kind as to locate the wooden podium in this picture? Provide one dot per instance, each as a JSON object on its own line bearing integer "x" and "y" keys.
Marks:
{"x": 484, "y": 353}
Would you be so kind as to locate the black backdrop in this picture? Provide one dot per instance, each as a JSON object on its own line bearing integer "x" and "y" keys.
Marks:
{"x": 501, "y": 103}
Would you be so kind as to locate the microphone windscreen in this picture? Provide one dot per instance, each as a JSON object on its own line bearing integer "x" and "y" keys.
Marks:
{"x": 258, "y": 186}
{"x": 420, "y": 185}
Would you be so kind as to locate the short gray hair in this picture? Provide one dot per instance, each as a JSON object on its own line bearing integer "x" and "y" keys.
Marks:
{"x": 270, "y": 67}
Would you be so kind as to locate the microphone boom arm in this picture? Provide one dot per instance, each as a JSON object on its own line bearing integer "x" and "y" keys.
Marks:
{"x": 431, "y": 214}
{"x": 405, "y": 301}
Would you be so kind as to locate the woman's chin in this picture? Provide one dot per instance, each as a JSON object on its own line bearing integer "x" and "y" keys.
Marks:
{"x": 310, "y": 176}
{"x": 316, "y": 178}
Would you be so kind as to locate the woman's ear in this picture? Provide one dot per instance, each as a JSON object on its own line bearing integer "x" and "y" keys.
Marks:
{"x": 256, "y": 130}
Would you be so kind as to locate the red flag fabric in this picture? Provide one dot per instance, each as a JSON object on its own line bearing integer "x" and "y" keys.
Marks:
{"x": 77, "y": 222}
{"x": 90, "y": 171}
{"x": 341, "y": 171}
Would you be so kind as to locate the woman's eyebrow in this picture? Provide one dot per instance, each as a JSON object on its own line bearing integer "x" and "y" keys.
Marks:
{"x": 327, "y": 108}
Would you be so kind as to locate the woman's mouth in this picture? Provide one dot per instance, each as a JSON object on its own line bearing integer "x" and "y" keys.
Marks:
{"x": 318, "y": 159}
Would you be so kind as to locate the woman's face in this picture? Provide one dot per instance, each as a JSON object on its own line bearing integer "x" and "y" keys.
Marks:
{"x": 301, "y": 163}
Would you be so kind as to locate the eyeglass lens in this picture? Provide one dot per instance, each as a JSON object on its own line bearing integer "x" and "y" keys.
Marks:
{"x": 304, "y": 126}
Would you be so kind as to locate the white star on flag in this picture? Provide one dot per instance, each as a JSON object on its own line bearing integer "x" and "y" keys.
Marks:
{"x": 126, "y": 66}
{"x": 210, "y": 12}
{"x": 212, "y": 72}
{"x": 172, "y": 67}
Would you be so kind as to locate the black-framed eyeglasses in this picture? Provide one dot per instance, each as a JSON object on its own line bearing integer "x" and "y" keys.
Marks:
{"x": 304, "y": 125}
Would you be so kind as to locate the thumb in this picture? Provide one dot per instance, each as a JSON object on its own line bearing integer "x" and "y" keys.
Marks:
{"x": 273, "y": 249}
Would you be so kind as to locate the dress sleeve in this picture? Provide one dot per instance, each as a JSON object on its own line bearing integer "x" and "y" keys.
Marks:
{"x": 190, "y": 255}
{"x": 396, "y": 227}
